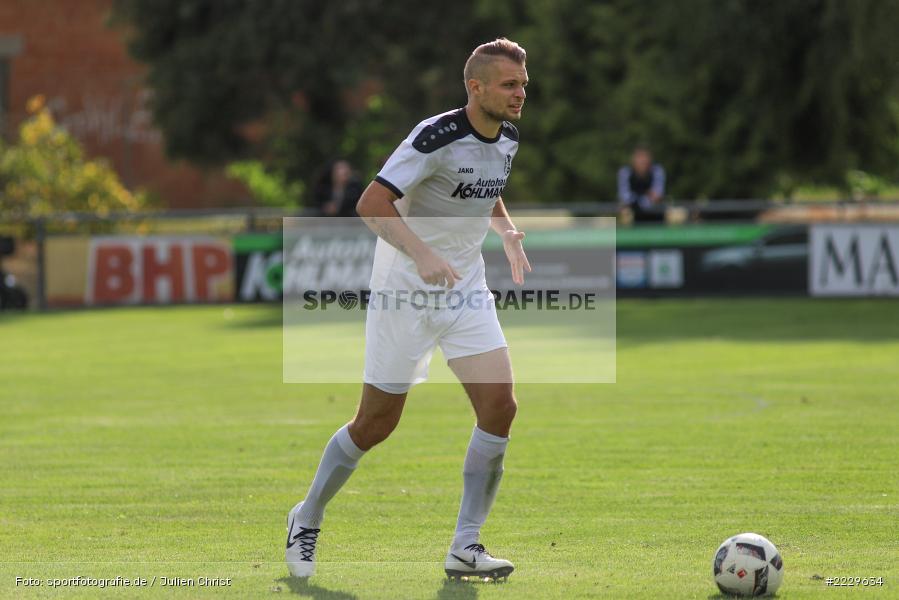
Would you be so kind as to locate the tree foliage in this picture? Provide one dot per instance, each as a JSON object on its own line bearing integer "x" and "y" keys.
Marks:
{"x": 322, "y": 78}
{"x": 270, "y": 188}
{"x": 45, "y": 172}
{"x": 738, "y": 98}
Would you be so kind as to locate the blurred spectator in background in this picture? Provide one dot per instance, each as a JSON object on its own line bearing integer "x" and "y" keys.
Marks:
{"x": 337, "y": 190}
{"x": 12, "y": 295}
{"x": 641, "y": 187}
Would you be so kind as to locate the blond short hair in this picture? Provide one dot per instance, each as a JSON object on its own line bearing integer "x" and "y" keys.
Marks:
{"x": 485, "y": 54}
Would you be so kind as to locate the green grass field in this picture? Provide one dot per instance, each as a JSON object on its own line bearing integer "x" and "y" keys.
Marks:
{"x": 162, "y": 443}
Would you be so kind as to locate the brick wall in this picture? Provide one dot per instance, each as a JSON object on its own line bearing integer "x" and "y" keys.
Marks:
{"x": 68, "y": 54}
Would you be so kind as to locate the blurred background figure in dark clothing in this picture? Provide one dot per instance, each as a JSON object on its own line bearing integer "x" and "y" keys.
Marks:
{"x": 338, "y": 189}
{"x": 641, "y": 187}
{"x": 12, "y": 295}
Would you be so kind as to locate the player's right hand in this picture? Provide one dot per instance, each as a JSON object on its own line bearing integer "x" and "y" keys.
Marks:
{"x": 433, "y": 270}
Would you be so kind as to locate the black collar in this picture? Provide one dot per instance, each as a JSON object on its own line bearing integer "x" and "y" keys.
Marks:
{"x": 475, "y": 133}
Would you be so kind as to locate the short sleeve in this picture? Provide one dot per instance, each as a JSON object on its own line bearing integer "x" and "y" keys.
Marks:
{"x": 406, "y": 167}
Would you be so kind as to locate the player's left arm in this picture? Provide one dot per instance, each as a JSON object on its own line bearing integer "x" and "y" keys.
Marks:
{"x": 502, "y": 224}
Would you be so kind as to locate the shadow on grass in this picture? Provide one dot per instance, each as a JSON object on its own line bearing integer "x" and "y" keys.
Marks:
{"x": 449, "y": 590}
{"x": 457, "y": 590}
{"x": 302, "y": 587}
{"x": 723, "y": 596}
{"x": 720, "y": 596}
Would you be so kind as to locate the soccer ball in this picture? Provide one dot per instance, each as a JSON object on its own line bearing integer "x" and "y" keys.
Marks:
{"x": 747, "y": 565}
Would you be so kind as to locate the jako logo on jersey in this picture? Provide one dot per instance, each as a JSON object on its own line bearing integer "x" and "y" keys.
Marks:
{"x": 482, "y": 188}
{"x": 508, "y": 164}
{"x": 466, "y": 169}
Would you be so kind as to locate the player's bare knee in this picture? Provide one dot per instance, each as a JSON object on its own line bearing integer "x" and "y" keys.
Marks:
{"x": 372, "y": 431}
{"x": 507, "y": 408}
{"x": 503, "y": 408}
{"x": 383, "y": 428}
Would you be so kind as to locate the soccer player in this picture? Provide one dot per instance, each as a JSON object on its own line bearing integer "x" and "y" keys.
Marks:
{"x": 432, "y": 206}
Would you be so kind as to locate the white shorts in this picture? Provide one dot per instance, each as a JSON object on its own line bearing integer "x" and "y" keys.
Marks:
{"x": 400, "y": 338}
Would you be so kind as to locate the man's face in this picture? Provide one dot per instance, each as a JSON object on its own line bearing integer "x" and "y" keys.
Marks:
{"x": 641, "y": 161}
{"x": 501, "y": 95}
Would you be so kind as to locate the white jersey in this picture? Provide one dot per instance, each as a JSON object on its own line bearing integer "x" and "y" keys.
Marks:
{"x": 448, "y": 177}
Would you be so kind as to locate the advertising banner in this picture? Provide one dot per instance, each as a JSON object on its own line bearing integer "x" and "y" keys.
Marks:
{"x": 705, "y": 260}
{"x": 258, "y": 267}
{"x": 116, "y": 270}
{"x": 854, "y": 260}
{"x": 333, "y": 253}
{"x": 702, "y": 260}
{"x": 649, "y": 261}
{"x": 66, "y": 270}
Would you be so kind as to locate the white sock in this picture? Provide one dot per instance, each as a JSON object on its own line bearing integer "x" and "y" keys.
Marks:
{"x": 481, "y": 476}
{"x": 338, "y": 462}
